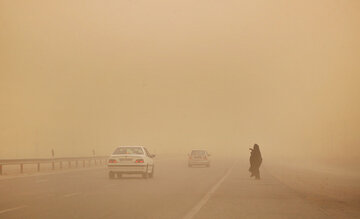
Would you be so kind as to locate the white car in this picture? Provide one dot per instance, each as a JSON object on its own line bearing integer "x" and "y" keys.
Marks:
{"x": 199, "y": 157}
{"x": 131, "y": 160}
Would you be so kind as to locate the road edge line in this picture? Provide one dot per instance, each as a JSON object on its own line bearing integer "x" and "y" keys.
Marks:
{"x": 208, "y": 195}
{"x": 13, "y": 209}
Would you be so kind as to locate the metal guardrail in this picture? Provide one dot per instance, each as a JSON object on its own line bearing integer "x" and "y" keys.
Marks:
{"x": 60, "y": 160}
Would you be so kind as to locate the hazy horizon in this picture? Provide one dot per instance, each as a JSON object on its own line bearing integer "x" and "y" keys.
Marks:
{"x": 180, "y": 75}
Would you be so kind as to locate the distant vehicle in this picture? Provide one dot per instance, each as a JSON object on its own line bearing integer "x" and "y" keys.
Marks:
{"x": 131, "y": 160}
{"x": 199, "y": 157}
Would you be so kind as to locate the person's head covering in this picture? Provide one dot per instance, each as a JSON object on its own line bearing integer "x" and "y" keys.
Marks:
{"x": 256, "y": 149}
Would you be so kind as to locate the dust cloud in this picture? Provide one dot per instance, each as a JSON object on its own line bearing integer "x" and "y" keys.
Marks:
{"x": 177, "y": 75}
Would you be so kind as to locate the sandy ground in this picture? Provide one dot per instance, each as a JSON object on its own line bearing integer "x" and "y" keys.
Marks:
{"x": 331, "y": 187}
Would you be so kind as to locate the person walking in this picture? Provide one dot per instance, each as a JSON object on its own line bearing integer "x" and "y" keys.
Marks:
{"x": 255, "y": 161}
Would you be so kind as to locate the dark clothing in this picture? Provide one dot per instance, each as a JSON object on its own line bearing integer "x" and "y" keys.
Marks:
{"x": 255, "y": 162}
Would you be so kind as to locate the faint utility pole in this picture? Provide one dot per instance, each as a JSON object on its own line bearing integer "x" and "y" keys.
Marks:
{"x": 93, "y": 151}
{"x": 53, "y": 156}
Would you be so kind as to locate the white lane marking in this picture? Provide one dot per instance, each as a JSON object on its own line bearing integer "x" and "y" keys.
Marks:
{"x": 12, "y": 209}
{"x": 71, "y": 194}
{"x": 208, "y": 195}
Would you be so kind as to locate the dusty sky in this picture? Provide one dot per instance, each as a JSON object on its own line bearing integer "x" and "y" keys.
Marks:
{"x": 176, "y": 75}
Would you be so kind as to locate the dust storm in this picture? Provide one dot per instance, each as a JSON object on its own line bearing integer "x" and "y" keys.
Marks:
{"x": 82, "y": 78}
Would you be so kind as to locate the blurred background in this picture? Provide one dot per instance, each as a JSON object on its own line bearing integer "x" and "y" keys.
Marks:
{"x": 78, "y": 76}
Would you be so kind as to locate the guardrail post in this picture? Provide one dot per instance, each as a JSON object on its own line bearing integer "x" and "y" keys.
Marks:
{"x": 72, "y": 162}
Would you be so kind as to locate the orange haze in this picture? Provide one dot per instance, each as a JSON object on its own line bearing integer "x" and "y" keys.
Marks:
{"x": 176, "y": 75}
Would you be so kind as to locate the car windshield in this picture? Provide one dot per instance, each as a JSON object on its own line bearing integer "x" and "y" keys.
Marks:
{"x": 129, "y": 150}
{"x": 198, "y": 153}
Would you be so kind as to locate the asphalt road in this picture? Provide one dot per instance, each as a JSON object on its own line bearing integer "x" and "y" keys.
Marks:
{"x": 222, "y": 191}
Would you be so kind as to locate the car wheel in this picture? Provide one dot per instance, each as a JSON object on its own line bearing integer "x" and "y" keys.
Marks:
{"x": 145, "y": 175}
{"x": 151, "y": 175}
{"x": 111, "y": 175}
